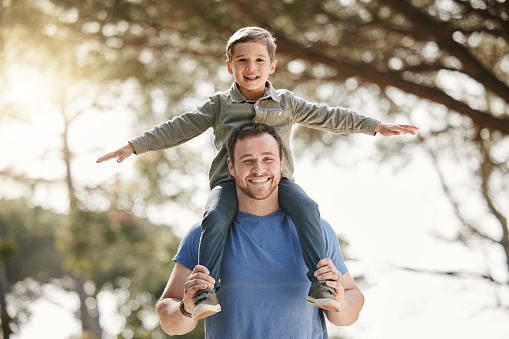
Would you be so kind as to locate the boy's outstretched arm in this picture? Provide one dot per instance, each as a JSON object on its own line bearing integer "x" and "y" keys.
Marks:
{"x": 395, "y": 129}
{"x": 121, "y": 154}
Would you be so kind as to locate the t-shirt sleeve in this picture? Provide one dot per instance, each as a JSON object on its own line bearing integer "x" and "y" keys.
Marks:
{"x": 333, "y": 248}
{"x": 187, "y": 253}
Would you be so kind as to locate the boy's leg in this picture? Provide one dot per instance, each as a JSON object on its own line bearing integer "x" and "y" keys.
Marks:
{"x": 220, "y": 211}
{"x": 306, "y": 217}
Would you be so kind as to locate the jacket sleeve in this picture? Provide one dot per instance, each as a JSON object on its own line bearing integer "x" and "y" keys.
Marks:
{"x": 332, "y": 119}
{"x": 176, "y": 131}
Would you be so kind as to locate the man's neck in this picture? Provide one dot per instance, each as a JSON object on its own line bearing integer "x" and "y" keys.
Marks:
{"x": 258, "y": 207}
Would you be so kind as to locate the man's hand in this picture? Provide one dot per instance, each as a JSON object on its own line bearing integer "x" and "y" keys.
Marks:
{"x": 121, "y": 154}
{"x": 199, "y": 279}
{"x": 395, "y": 129}
{"x": 183, "y": 285}
{"x": 327, "y": 271}
{"x": 347, "y": 293}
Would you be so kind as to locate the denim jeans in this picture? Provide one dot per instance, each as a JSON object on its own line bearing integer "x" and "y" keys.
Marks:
{"x": 305, "y": 215}
{"x": 221, "y": 209}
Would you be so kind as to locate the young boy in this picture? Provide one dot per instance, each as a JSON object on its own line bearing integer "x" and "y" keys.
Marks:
{"x": 251, "y": 59}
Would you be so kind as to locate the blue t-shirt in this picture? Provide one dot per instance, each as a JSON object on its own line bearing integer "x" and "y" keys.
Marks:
{"x": 263, "y": 279}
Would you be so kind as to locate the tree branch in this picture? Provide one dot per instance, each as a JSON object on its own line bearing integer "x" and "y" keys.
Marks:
{"x": 384, "y": 79}
{"x": 456, "y": 274}
{"x": 451, "y": 199}
{"x": 442, "y": 33}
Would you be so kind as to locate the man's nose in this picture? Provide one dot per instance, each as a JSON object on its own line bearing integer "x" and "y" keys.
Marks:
{"x": 257, "y": 167}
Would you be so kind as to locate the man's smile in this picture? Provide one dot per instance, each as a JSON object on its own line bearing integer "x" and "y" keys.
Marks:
{"x": 258, "y": 181}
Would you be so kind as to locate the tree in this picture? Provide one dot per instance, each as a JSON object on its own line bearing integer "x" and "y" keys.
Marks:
{"x": 89, "y": 253}
{"x": 452, "y": 55}
{"x": 28, "y": 257}
{"x": 441, "y": 64}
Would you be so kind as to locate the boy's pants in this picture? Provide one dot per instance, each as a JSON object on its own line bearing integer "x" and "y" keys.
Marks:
{"x": 220, "y": 212}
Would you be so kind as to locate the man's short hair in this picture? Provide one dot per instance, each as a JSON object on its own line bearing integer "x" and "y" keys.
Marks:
{"x": 249, "y": 34}
{"x": 251, "y": 129}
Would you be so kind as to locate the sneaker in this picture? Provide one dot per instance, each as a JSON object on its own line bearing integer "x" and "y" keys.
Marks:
{"x": 323, "y": 296}
{"x": 205, "y": 304}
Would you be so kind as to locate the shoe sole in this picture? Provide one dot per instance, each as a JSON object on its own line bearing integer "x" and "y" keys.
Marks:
{"x": 326, "y": 304}
{"x": 204, "y": 311}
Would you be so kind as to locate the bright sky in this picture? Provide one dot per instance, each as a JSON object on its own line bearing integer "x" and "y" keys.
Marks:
{"x": 390, "y": 220}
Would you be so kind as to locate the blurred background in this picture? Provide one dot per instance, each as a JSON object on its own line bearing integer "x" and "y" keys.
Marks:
{"x": 86, "y": 248}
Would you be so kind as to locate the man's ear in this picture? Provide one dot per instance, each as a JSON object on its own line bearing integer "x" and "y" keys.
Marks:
{"x": 230, "y": 166}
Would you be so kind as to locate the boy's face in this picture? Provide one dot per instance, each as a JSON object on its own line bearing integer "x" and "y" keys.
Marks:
{"x": 251, "y": 67}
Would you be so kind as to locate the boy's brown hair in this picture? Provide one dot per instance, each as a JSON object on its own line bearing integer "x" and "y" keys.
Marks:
{"x": 248, "y": 34}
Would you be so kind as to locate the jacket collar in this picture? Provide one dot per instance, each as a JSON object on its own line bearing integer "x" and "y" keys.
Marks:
{"x": 236, "y": 96}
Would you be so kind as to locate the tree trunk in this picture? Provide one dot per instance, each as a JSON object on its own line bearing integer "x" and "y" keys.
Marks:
{"x": 4, "y": 317}
{"x": 90, "y": 327}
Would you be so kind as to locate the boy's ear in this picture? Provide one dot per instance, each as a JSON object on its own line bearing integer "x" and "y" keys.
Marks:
{"x": 273, "y": 66}
{"x": 229, "y": 67}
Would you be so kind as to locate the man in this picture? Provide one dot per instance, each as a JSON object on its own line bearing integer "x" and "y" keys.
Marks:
{"x": 263, "y": 274}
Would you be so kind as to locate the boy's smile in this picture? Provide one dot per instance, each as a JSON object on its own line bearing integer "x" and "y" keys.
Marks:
{"x": 251, "y": 67}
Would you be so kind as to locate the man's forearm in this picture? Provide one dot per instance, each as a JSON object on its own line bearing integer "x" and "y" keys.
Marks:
{"x": 172, "y": 320}
{"x": 351, "y": 306}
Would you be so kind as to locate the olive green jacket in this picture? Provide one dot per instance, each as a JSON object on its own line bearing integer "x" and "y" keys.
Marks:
{"x": 225, "y": 111}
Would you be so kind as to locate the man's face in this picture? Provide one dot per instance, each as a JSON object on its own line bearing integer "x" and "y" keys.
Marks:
{"x": 257, "y": 168}
{"x": 251, "y": 67}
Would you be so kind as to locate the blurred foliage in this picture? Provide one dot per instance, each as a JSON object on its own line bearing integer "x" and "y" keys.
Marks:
{"x": 26, "y": 252}
{"x": 442, "y": 65}
{"x": 111, "y": 252}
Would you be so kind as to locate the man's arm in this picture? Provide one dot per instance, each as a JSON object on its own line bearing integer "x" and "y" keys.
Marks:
{"x": 351, "y": 299}
{"x": 182, "y": 285}
{"x": 347, "y": 293}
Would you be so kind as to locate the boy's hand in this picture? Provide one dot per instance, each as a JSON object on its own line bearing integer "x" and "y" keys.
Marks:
{"x": 395, "y": 129}
{"x": 121, "y": 154}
